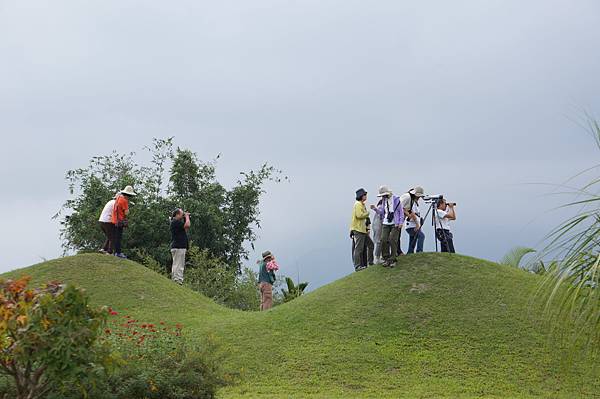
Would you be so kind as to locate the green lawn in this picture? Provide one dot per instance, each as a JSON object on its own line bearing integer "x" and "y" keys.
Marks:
{"x": 437, "y": 325}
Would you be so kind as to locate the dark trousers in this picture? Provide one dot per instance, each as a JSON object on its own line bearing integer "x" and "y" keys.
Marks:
{"x": 118, "y": 237}
{"x": 389, "y": 241}
{"x": 417, "y": 239}
{"x": 368, "y": 255}
{"x": 446, "y": 240}
{"x": 359, "y": 248}
{"x": 109, "y": 231}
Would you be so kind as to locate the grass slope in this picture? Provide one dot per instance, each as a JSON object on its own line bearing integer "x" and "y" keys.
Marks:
{"x": 437, "y": 325}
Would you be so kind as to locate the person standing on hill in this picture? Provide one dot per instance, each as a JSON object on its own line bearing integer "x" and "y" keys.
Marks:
{"x": 392, "y": 216}
{"x": 119, "y": 218}
{"x": 180, "y": 224}
{"x": 445, "y": 213}
{"x": 377, "y": 226}
{"x": 266, "y": 279}
{"x": 107, "y": 227}
{"x": 410, "y": 203}
{"x": 358, "y": 228}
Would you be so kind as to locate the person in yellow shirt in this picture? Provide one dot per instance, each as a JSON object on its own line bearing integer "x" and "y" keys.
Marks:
{"x": 358, "y": 228}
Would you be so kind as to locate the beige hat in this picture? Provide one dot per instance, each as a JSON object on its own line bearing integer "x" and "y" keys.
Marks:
{"x": 128, "y": 191}
{"x": 417, "y": 191}
{"x": 384, "y": 190}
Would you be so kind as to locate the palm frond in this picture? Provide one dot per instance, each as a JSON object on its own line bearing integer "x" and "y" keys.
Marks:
{"x": 515, "y": 256}
{"x": 571, "y": 289}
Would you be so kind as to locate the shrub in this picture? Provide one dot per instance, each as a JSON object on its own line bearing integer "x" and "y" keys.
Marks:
{"x": 48, "y": 337}
{"x": 155, "y": 361}
{"x": 214, "y": 279}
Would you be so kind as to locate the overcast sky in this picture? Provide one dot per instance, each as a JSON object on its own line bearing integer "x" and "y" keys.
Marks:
{"x": 471, "y": 99}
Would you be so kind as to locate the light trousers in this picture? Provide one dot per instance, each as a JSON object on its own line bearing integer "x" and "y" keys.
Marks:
{"x": 178, "y": 264}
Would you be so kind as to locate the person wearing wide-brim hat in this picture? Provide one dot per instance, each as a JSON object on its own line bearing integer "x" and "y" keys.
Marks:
{"x": 410, "y": 203}
{"x": 392, "y": 216}
{"x": 119, "y": 217}
{"x": 358, "y": 229}
{"x": 266, "y": 279}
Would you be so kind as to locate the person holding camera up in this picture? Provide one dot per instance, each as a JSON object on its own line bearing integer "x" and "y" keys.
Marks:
{"x": 180, "y": 224}
{"x": 392, "y": 215}
{"x": 119, "y": 218}
{"x": 445, "y": 213}
{"x": 358, "y": 229}
{"x": 410, "y": 203}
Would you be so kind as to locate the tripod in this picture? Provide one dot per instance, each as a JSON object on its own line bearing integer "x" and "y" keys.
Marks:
{"x": 435, "y": 218}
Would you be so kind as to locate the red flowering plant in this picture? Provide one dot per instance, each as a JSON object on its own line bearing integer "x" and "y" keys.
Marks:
{"x": 138, "y": 340}
{"x": 158, "y": 363}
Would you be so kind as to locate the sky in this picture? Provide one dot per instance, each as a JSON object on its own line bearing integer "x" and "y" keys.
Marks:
{"x": 479, "y": 101}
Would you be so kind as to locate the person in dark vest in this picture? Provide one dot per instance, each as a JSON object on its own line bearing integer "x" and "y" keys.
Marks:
{"x": 180, "y": 224}
{"x": 266, "y": 279}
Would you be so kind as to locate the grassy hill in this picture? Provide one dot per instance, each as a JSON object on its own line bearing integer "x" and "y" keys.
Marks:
{"x": 437, "y": 325}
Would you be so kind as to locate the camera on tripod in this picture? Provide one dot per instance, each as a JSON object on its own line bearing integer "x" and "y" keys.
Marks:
{"x": 436, "y": 199}
{"x": 433, "y": 198}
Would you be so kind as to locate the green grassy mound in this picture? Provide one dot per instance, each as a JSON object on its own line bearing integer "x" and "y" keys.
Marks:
{"x": 437, "y": 325}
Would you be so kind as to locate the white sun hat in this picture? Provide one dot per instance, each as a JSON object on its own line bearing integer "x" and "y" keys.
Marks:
{"x": 384, "y": 190}
{"x": 417, "y": 191}
{"x": 128, "y": 191}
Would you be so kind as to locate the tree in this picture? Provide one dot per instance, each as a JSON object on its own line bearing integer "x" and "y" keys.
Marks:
{"x": 293, "y": 291}
{"x": 224, "y": 220}
{"x": 47, "y": 336}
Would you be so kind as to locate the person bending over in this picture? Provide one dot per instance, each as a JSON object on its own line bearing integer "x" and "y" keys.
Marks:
{"x": 107, "y": 227}
{"x": 119, "y": 218}
{"x": 180, "y": 224}
{"x": 410, "y": 203}
{"x": 445, "y": 213}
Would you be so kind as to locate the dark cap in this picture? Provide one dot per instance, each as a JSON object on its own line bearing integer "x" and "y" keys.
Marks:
{"x": 266, "y": 254}
{"x": 359, "y": 193}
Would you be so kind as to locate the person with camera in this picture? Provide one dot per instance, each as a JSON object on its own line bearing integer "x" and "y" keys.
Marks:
{"x": 392, "y": 215}
{"x": 266, "y": 279}
{"x": 413, "y": 222}
{"x": 180, "y": 224}
{"x": 119, "y": 218}
{"x": 358, "y": 229}
{"x": 445, "y": 213}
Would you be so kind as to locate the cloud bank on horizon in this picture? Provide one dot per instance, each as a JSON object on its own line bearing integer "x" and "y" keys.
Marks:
{"x": 470, "y": 99}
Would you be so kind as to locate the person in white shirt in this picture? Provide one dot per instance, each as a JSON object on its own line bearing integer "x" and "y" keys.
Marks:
{"x": 445, "y": 213}
{"x": 410, "y": 203}
{"x": 107, "y": 227}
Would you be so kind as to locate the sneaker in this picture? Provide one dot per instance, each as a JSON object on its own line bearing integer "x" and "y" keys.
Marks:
{"x": 359, "y": 268}
{"x": 102, "y": 251}
{"x": 121, "y": 255}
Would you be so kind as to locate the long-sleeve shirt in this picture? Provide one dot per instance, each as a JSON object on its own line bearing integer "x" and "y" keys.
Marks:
{"x": 264, "y": 275}
{"x": 396, "y": 208}
{"x": 359, "y": 217}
